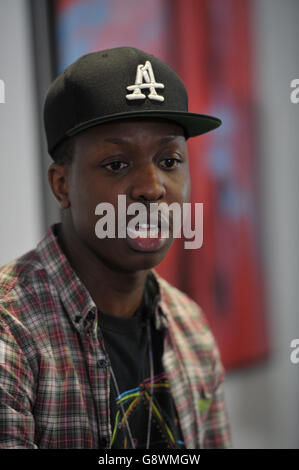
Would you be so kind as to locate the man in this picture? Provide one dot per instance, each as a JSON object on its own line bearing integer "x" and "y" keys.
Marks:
{"x": 97, "y": 350}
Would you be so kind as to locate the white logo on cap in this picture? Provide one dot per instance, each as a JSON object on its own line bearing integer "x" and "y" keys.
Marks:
{"x": 145, "y": 79}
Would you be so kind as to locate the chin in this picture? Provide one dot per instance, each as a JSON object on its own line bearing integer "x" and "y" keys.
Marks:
{"x": 136, "y": 261}
{"x": 126, "y": 258}
{"x": 143, "y": 261}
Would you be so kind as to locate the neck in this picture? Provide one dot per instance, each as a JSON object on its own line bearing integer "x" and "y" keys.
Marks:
{"x": 115, "y": 292}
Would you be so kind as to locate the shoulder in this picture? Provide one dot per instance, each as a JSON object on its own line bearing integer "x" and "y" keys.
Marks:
{"x": 18, "y": 280}
{"x": 181, "y": 306}
{"x": 12, "y": 272}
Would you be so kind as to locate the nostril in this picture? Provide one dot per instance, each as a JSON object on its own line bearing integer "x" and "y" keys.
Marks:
{"x": 145, "y": 191}
{"x": 148, "y": 200}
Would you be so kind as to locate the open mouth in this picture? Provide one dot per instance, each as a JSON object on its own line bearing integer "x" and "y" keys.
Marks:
{"x": 146, "y": 237}
{"x": 158, "y": 228}
{"x": 144, "y": 231}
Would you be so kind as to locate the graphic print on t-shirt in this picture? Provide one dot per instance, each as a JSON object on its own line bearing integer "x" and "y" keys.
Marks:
{"x": 128, "y": 346}
{"x": 164, "y": 428}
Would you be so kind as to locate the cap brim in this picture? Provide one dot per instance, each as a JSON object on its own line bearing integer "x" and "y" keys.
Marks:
{"x": 193, "y": 124}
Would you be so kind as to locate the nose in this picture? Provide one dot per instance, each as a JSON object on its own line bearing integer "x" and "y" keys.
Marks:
{"x": 148, "y": 184}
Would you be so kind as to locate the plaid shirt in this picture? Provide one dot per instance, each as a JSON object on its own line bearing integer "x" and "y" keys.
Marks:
{"x": 54, "y": 379}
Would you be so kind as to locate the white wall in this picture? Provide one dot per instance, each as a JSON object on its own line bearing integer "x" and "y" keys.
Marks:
{"x": 264, "y": 401}
{"x": 20, "y": 185}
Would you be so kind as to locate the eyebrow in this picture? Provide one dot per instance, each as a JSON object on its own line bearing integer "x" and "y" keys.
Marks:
{"x": 120, "y": 141}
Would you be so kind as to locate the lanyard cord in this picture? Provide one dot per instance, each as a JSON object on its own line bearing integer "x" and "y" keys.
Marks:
{"x": 151, "y": 392}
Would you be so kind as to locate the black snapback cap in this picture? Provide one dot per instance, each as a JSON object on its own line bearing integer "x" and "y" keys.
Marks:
{"x": 114, "y": 84}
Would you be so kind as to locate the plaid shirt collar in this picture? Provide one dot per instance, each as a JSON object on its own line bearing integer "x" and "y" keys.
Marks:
{"x": 74, "y": 295}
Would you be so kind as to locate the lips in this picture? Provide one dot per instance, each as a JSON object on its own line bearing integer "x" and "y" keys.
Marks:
{"x": 145, "y": 237}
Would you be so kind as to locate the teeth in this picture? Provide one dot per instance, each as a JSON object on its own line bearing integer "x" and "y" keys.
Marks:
{"x": 144, "y": 230}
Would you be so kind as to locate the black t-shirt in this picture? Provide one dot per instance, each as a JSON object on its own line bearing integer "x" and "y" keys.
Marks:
{"x": 126, "y": 343}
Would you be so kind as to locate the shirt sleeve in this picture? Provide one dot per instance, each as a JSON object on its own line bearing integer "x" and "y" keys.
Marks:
{"x": 17, "y": 426}
{"x": 217, "y": 425}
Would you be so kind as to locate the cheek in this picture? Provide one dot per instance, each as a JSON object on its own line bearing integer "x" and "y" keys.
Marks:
{"x": 83, "y": 201}
{"x": 187, "y": 190}
{"x": 188, "y": 183}
{"x": 183, "y": 187}
{"x": 80, "y": 200}
{"x": 84, "y": 193}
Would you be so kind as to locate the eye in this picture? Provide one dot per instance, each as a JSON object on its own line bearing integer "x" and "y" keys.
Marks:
{"x": 171, "y": 163}
{"x": 116, "y": 166}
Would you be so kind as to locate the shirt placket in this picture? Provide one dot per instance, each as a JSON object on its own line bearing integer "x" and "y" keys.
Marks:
{"x": 99, "y": 379}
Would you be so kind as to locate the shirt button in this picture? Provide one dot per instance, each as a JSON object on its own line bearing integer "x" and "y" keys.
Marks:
{"x": 90, "y": 316}
{"x": 103, "y": 364}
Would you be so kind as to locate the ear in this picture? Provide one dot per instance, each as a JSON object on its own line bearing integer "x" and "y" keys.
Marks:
{"x": 57, "y": 177}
